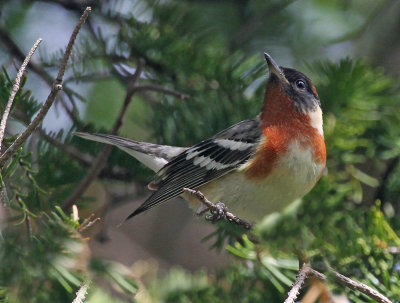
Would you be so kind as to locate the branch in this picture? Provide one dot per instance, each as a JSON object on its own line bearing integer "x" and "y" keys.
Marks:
{"x": 303, "y": 274}
{"x": 214, "y": 208}
{"x": 361, "y": 287}
{"x": 50, "y": 99}
{"x": 16, "y": 51}
{"x": 307, "y": 271}
{"x": 71, "y": 44}
{"x": 102, "y": 157}
{"x": 317, "y": 274}
{"x": 15, "y": 90}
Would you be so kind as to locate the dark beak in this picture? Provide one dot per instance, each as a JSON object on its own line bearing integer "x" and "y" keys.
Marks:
{"x": 274, "y": 68}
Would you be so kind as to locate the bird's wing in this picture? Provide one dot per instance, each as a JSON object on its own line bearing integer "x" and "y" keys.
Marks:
{"x": 204, "y": 162}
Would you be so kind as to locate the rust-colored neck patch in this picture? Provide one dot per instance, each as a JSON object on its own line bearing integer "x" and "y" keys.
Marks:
{"x": 281, "y": 124}
{"x": 279, "y": 109}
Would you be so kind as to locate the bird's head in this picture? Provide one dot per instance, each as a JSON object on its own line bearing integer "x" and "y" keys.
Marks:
{"x": 290, "y": 95}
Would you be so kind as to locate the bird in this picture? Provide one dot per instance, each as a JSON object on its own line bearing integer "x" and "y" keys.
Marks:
{"x": 255, "y": 167}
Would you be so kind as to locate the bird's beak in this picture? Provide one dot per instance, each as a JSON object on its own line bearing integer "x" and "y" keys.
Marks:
{"x": 274, "y": 68}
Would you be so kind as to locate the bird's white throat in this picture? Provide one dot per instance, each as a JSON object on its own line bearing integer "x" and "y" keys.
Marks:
{"x": 316, "y": 120}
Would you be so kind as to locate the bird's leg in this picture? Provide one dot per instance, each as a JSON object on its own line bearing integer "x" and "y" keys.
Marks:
{"x": 218, "y": 210}
{"x": 218, "y": 213}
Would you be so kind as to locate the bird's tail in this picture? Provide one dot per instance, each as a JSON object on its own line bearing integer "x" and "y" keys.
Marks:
{"x": 152, "y": 155}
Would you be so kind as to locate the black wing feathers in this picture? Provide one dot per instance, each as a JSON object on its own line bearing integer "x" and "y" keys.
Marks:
{"x": 204, "y": 162}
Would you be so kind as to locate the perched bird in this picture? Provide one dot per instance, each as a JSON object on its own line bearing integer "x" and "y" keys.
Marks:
{"x": 254, "y": 167}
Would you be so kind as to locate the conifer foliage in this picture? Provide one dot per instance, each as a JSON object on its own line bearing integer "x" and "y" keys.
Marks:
{"x": 191, "y": 69}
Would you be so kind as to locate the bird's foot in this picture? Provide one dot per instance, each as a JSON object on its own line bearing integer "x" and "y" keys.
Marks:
{"x": 217, "y": 214}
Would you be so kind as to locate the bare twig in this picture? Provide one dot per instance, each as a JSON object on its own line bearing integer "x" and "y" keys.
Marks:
{"x": 317, "y": 274}
{"x": 307, "y": 271}
{"x": 213, "y": 207}
{"x": 15, "y": 89}
{"x": 50, "y": 99}
{"x": 298, "y": 283}
{"x": 361, "y": 287}
{"x": 16, "y": 51}
{"x": 16, "y": 86}
{"x": 13, "y": 48}
{"x": 102, "y": 157}
{"x": 88, "y": 223}
{"x": 71, "y": 44}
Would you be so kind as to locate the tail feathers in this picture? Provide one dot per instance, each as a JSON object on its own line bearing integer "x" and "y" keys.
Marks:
{"x": 152, "y": 155}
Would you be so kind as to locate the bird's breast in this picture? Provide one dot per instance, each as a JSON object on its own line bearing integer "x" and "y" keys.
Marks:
{"x": 297, "y": 146}
{"x": 293, "y": 175}
{"x": 284, "y": 168}
{"x": 301, "y": 166}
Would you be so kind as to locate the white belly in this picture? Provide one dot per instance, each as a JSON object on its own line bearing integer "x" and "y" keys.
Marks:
{"x": 293, "y": 176}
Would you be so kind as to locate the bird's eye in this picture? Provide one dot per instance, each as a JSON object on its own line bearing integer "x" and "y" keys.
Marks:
{"x": 300, "y": 84}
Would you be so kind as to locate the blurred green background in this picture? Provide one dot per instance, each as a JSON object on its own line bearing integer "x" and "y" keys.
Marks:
{"x": 211, "y": 52}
